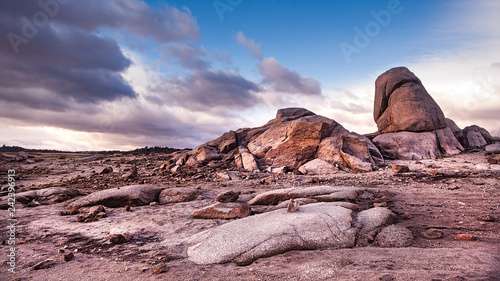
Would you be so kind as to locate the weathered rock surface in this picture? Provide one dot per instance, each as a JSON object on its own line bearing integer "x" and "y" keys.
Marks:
{"x": 295, "y": 137}
{"x": 493, "y": 148}
{"x": 475, "y": 136}
{"x": 48, "y": 195}
{"x": 242, "y": 241}
{"x": 394, "y": 236}
{"x": 408, "y": 145}
{"x": 403, "y": 104}
{"x": 177, "y": 195}
{"x": 131, "y": 195}
{"x": 320, "y": 193}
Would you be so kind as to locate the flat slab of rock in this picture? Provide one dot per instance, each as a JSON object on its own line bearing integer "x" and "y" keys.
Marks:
{"x": 223, "y": 211}
{"x": 320, "y": 193}
{"x": 314, "y": 226}
{"x": 177, "y": 195}
{"x": 131, "y": 195}
{"x": 48, "y": 195}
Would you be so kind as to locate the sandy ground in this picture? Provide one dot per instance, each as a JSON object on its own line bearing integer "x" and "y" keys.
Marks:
{"x": 449, "y": 194}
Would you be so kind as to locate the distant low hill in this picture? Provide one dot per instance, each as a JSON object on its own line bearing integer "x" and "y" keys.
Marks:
{"x": 144, "y": 150}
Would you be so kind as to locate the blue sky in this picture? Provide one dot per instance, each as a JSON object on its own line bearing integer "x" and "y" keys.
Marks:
{"x": 121, "y": 74}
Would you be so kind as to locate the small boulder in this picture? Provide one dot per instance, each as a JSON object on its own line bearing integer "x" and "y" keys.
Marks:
{"x": 317, "y": 167}
{"x": 399, "y": 169}
{"x": 228, "y": 196}
{"x": 394, "y": 236}
{"x": 432, "y": 233}
{"x": 119, "y": 236}
{"x": 375, "y": 217}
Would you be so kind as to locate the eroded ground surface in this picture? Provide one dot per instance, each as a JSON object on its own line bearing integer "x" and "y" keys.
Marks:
{"x": 454, "y": 195}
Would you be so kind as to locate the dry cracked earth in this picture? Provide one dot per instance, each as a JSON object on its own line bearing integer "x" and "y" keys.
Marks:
{"x": 454, "y": 195}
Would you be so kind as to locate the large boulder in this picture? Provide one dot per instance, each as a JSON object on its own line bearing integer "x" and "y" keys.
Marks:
{"x": 475, "y": 136}
{"x": 408, "y": 145}
{"x": 403, "y": 104}
{"x": 313, "y": 226}
{"x": 131, "y": 195}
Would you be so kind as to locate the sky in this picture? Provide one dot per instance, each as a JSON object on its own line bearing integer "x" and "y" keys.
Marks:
{"x": 121, "y": 74}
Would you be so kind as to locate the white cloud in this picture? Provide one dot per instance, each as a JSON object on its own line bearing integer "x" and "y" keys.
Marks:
{"x": 250, "y": 45}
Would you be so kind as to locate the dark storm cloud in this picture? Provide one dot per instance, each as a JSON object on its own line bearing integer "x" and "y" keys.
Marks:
{"x": 288, "y": 81}
{"x": 165, "y": 25}
{"x": 208, "y": 90}
{"x": 188, "y": 56}
{"x": 51, "y": 55}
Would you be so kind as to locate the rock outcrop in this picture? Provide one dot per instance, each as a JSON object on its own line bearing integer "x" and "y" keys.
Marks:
{"x": 411, "y": 124}
{"x": 296, "y": 137}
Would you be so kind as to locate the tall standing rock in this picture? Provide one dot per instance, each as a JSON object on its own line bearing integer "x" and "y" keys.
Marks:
{"x": 411, "y": 123}
{"x": 403, "y": 104}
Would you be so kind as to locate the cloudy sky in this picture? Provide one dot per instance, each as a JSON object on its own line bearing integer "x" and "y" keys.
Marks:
{"x": 122, "y": 74}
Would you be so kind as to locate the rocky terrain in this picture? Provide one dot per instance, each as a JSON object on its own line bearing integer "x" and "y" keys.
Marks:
{"x": 299, "y": 198}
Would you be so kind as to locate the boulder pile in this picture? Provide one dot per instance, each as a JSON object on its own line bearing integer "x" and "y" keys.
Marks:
{"x": 296, "y": 140}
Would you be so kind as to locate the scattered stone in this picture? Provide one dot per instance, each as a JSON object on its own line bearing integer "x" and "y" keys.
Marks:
{"x": 94, "y": 210}
{"x": 119, "y": 236}
{"x": 43, "y": 264}
{"x": 132, "y": 174}
{"x": 239, "y": 212}
{"x": 68, "y": 257}
{"x": 61, "y": 251}
{"x": 228, "y": 196}
{"x": 292, "y": 206}
{"x": 381, "y": 204}
{"x": 199, "y": 198}
{"x": 242, "y": 241}
{"x": 466, "y": 237}
{"x": 160, "y": 268}
{"x": 406, "y": 216}
{"x": 453, "y": 187}
{"x": 394, "y": 236}
{"x": 399, "y": 169}
{"x": 178, "y": 195}
{"x": 153, "y": 203}
{"x": 488, "y": 218}
{"x": 313, "y": 180}
{"x": 432, "y": 233}
{"x": 107, "y": 170}
{"x": 127, "y": 208}
{"x": 223, "y": 176}
{"x": 433, "y": 172}
{"x": 33, "y": 203}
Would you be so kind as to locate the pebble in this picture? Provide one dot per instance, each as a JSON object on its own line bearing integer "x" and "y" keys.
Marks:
{"x": 399, "y": 169}
{"x": 43, "y": 264}
{"x": 466, "y": 237}
{"x": 381, "y": 204}
{"x": 406, "y": 216}
{"x": 158, "y": 269}
{"x": 488, "y": 218}
{"x": 68, "y": 257}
